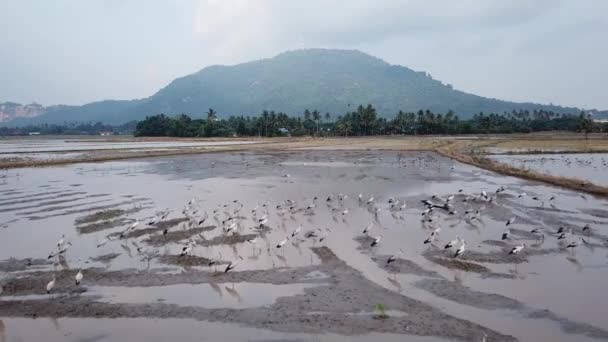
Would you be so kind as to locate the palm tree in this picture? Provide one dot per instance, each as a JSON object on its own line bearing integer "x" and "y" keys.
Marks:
{"x": 316, "y": 116}
{"x": 211, "y": 115}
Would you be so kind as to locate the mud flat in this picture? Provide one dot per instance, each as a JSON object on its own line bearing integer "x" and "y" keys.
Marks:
{"x": 326, "y": 281}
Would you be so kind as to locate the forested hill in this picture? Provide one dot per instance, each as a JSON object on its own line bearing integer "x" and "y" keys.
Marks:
{"x": 334, "y": 81}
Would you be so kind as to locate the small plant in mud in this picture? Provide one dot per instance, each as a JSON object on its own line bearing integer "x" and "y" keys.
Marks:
{"x": 381, "y": 309}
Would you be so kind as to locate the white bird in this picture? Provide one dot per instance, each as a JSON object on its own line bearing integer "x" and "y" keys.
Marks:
{"x": 253, "y": 241}
{"x": 345, "y": 211}
{"x": 393, "y": 257}
{"x": 360, "y": 197}
{"x": 78, "y": 277}
{"x": 131, "y": 227}
{"x": 370, "y": 200}
{"x": 297, "y": 231}
{"x": 282, "y": 243}
{"x": 510, "y": 221}
{"x": 263, "y": 220}
{"x": 517, "y": 249}
{"x": 103, "y": 242}
{"x": 368, "y": 228}
{"x": 484, "y": 194}
{"x": 51, "y": 285}
{"x": 460, "y": 249}
{"x": 231, "y": 227}
{"x": 452, "y": 243}
{"x": 434, "y": 233}
{"x": 505, "y": 234}
{"x": 376, "y": 241}
{"x": 187, "y": 248}
{"x": 61, "y": 250}
{"x": 450, "y": 198}
{"x": 61, "y": 241}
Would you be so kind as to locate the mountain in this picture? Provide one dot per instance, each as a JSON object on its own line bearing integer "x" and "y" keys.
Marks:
{"x": 12, "y": 110}
{"x": 334, "y": 81}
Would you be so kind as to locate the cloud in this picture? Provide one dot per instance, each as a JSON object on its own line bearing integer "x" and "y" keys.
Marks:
{"x": 346, "y": 22}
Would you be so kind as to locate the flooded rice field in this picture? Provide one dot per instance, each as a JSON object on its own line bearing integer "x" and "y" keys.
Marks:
{"x": 592, "y": 167}
{"x": 29, "y": 145}
{"x": 304, "y": 246}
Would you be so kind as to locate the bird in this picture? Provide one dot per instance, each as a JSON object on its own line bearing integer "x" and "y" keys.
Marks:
{"x": 452, "y": 243}
{"x": 252, "y": 240}
{"x": 103, "y": 242}
{"x": 573, "y": 244}
{"x": 263, "y": 220}
{"x": 51, "y": 285}
{"x": 131, "y": 227}
{"x": 376, "y": 241}
{"x": 296, "y": 231}
{"x": 61, "y": 241}
{"x": 187, "y": 248}
{"x": 517, "y": 249}
{"x": 460, "y": 249}
{"x": 345, "y": 211}
{"x": 323, "y": 236}
{"x": 510, "y": 221}
{"x": 434, "y": 233}
{"x": 370, "y": 200}
{"x": 505, "y": 234}
{"x": 368, "y": 228}
{"x": 282, "y": 243}
{"x": 393, "y": 257}
{"x": 78, "y": 278}
{"x": 560, "y": 230}
{"x": 587, "y": 227}
{"x": 230, "y": 266}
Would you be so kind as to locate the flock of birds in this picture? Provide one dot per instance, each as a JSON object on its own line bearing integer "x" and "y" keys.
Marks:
{"x": 230, "y": 216}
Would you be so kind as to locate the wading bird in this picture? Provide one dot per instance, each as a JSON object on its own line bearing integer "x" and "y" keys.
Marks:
{"x": 78, "y": 278}
{"x": 460, "y": 249}
{"x": 376, "y": 241}
{"x": 452, "y": 243}
{"x": 517, "y": 249}
{"x": 51, "y": 285}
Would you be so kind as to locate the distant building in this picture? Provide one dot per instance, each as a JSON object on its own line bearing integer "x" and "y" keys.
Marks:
{"x": 106, "y": 133}
{"x": 34, "y": 133}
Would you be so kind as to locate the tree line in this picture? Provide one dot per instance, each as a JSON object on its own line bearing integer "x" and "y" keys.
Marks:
{"x": 69, "y": 129}
{"x": 362, "y": 122}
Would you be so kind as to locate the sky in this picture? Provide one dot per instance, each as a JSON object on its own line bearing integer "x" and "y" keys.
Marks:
{"x": 75, "y": 52}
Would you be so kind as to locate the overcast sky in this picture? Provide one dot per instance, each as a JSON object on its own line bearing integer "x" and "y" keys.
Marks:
{"x": 75, "y": 51}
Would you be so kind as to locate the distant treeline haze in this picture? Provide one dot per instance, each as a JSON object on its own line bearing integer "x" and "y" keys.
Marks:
{"x": 70, "y": 129}
{"x": 363, "y": 121}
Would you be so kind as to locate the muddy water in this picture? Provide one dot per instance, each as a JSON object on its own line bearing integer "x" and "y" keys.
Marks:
{"x": 548, "y": 292}
{"x": 26, "y": 145}
{"x": 592, "y": 167}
